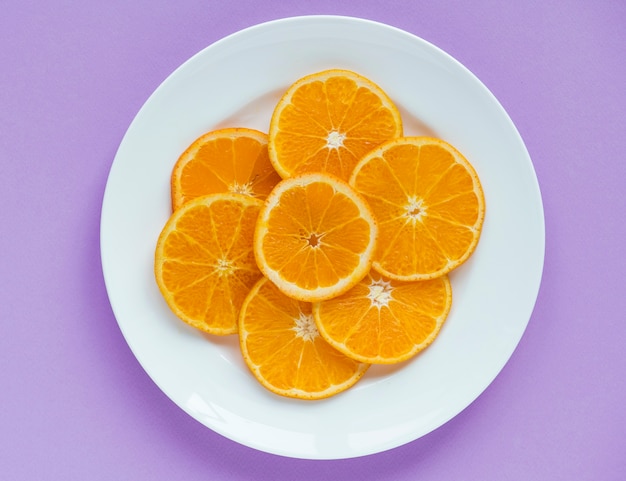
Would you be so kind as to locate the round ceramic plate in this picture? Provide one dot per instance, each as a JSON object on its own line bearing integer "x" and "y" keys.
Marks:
{"x": 236, "y": 82}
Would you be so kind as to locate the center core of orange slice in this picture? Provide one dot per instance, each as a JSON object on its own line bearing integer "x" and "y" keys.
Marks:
{"x": 335, "y": 140}
{"x": 305, "y": 327}
{"x": 379, "y": 293}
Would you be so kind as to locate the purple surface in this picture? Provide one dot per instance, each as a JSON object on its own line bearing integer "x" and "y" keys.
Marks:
{"x": 75, "y": 402}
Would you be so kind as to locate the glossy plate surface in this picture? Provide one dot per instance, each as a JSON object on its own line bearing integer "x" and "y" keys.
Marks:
{"x": 236, "y": 82}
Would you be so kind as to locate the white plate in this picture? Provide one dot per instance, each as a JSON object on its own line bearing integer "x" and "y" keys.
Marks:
{"x": 236, "y": 82}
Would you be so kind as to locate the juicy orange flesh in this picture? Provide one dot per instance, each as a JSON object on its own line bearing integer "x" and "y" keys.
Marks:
{"x": 424, "y": 201}
{"x": 315, "y": 236}
{"x": 209, "y": 265}
{"x": 284, "y": 359}
{"x": 229, "y": 164}
{"x": 393, "y": 330}
{"x": 336, "y": 105}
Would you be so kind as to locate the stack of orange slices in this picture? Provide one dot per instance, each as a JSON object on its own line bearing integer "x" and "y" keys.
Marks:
{"x": 325, "y": 244}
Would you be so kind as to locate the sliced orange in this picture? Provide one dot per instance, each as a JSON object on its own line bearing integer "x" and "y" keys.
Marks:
{"x": 327, "y": 121}
{"x": 283, "y": 349}
{"x": 204, "y": 264}
{"x": 385, "y": 321}
{"x": 429, "y": 203}
{"x": 315, "y": 237}
{"x": 226, "y": 160}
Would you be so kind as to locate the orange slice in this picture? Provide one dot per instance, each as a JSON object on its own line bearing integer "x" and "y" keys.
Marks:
{"x": 429, "y": 204}
{"x": 204, "y": 264}
{"x": 315, "y": 237}
{"x": 384, "y": 321}
{"x": 327, "y": 121}
{"x": 283, "y": 349}
{"x": 227, "y": 160}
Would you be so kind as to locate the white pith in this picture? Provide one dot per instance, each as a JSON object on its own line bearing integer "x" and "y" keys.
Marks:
{"x": 380, "y": 293}
{"x": 335, "y": 139}
{"x": 305, "y": 327}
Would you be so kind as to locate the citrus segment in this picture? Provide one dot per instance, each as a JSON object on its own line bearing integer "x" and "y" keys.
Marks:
{"x": 327, "y": 121}
{"x": 429, "y": 203}
{"x": 226, "y": 160}
{"x": 385, "y": 321}
{"x": 204, "y": 263}
{"x": 284, "y": 351}
{"x": 315, "y": 237}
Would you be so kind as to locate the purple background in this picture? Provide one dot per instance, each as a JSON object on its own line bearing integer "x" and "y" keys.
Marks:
{"x": 75, "y": 402}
